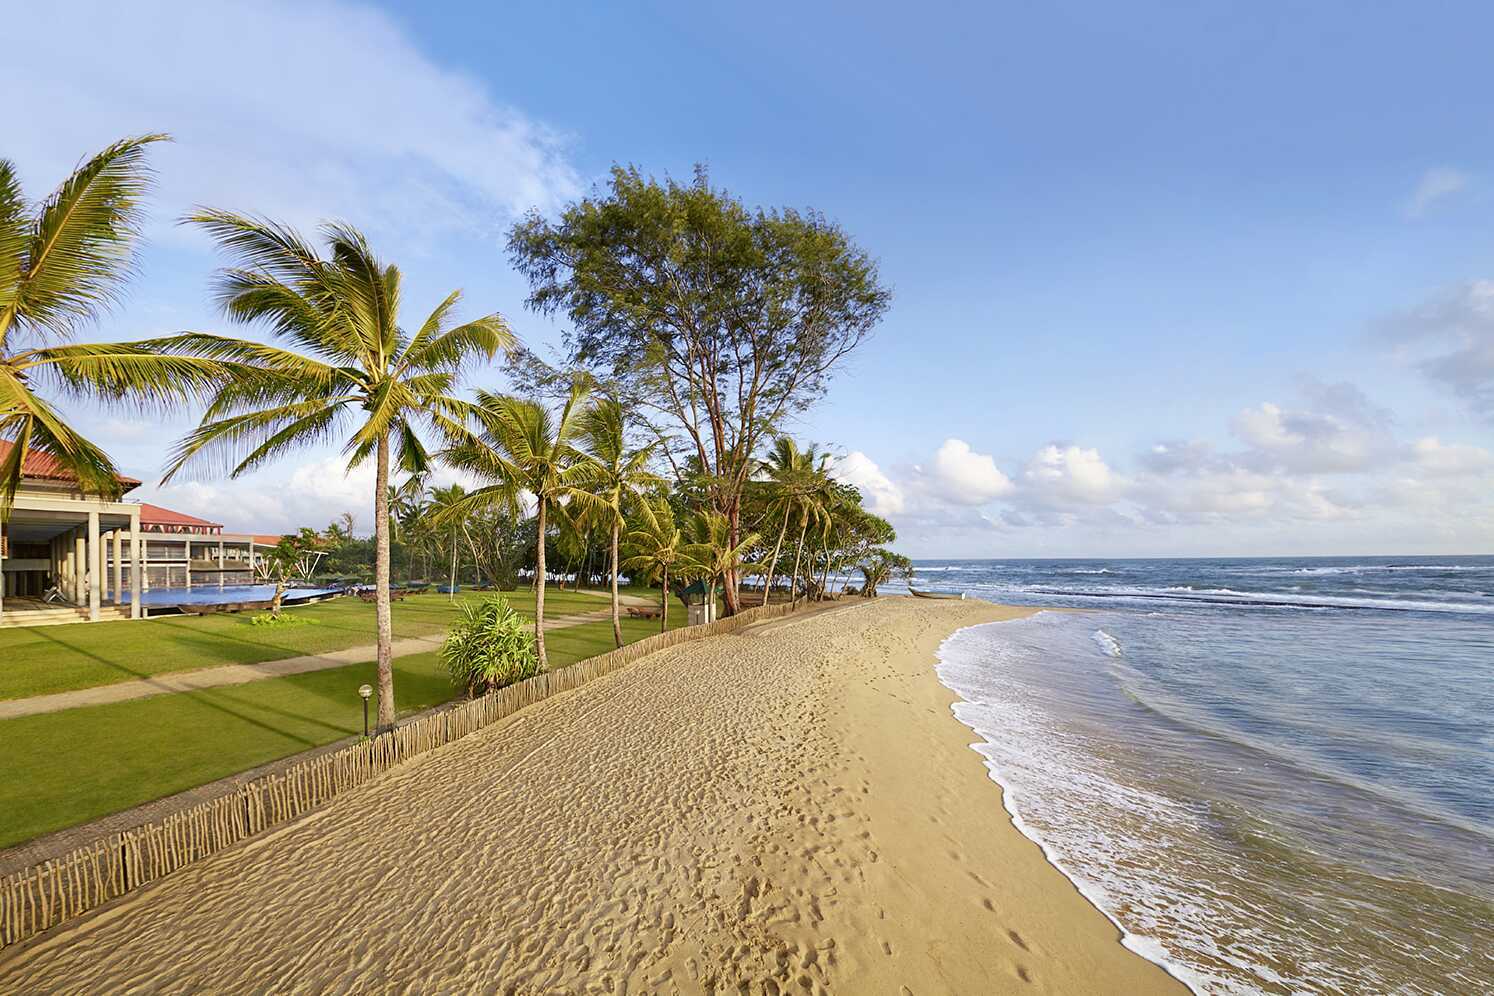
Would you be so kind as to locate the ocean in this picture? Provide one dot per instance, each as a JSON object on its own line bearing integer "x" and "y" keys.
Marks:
{"x": 1274, "y": 775}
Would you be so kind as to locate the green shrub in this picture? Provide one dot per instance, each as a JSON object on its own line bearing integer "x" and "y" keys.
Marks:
{"x": 284, "y": 619}
{"x": 489, "y": 647}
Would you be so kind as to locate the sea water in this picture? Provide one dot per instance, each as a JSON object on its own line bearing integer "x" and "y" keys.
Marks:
{"x": 1273, "y": 775}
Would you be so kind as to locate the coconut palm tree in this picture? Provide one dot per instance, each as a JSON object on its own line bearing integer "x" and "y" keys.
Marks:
{"x": 658, "y": 552}
{"x": 518, "y": 446}
{"x": 784, "y": 475}
{"x": 353, "y": 373}
{"x": 807, "y": 498}
{"x": 62, "y": 262}
{"x": 622, "y": 472}
{"x": 453, "y": 528}
{"x": 711, "y": 548}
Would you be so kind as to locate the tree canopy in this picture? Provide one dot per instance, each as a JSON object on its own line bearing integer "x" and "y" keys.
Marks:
{"x": 714, "y": 322}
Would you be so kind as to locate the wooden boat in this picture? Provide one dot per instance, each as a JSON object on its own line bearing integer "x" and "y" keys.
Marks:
{"x": 935, "y": 594}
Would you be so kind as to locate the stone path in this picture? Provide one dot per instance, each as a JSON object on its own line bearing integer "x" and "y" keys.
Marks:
{"x": 239, "y": 674}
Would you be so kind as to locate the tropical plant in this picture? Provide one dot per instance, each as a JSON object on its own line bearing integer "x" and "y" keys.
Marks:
{"x": 294, "y": 557}
{"x": 718, "y": 555}
{"x": 451, "y": 529}
{"x": 657, "y": 551}
{"x": 880, "y": 565}
{"x": 489, "y": 647}
{"x": 717, "y": 319}
{"x": 355, "y": 374}
{"x": 518, "y": 446}
{"x": 621, "y": 475}
{"x": 62, "y": 262}
{"x": 791, "y": 479}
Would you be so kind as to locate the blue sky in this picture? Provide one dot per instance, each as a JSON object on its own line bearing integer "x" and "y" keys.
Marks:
{"x": 1169, "y": 279}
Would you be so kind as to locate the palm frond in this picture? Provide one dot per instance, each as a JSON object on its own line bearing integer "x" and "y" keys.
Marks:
{"x": 450, "y": 349}
{"x": 12, "y": 236}
{"x": 126, "y": 372}
{"x": 228, "y": 440}
{"x": 81, "y": 245}
{"x": 28, "y": 422}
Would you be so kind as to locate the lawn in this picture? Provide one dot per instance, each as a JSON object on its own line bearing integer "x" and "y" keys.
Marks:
{"x": 64, "y": 768}
{"x": 45, "y": 659}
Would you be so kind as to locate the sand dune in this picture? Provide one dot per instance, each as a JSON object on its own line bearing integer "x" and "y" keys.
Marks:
{"x": 791, "y": 809}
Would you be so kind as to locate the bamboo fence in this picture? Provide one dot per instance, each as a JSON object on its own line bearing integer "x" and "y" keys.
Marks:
{"x": 45, "y": 895}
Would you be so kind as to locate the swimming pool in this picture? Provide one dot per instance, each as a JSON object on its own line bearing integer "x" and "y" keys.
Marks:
{"x": 214, "y": 595}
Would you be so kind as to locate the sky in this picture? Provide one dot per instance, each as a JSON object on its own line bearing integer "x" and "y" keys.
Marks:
{"x": 1206, "y": 279}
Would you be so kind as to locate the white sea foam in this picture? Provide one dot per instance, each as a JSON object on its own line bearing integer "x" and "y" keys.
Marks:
{"x": 1107, "y": 643}
{"x": 1157, "y": 866}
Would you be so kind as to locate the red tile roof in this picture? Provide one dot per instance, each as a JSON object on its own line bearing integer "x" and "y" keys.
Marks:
{"x": 40, "y": 466}
{"x": 155, "y": 515}
{"x": 265, "y": 540}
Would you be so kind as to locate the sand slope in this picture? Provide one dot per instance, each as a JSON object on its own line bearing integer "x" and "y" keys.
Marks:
{"x": 790, "y": 809}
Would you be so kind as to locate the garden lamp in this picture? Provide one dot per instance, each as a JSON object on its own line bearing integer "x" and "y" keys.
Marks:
{"x": 365, "y": 691}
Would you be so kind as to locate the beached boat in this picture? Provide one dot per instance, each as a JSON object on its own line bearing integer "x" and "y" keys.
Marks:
{"x": 936, "y": 594}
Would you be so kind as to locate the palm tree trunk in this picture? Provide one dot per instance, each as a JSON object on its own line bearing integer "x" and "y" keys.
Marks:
{"x": 617, "y": 629}
{"x": 539, "y": 587}
{"x": 381, "y": 585}
{"x": 664, "y": 604}
{"x": 798, "y": 555}
{"x": 451, "y": 578}
{"x": 773, "y": 564}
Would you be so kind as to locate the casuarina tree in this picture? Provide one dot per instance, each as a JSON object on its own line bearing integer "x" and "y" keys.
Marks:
{"x": 714, "y": 322}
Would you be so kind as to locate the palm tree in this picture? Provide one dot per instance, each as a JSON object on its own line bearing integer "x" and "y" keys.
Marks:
{"x": 520, "y": 447}
{"x": 453, "y": 526}
{"x": 62, "y": 262}
{"x": 784, "y": 472}
{"x": 711, "y": 548}
{"x": 658, "y": 550}
{"x": 808, "y": 497}
{"x": 621, "y": 474}
{"x": 354, "y": 373}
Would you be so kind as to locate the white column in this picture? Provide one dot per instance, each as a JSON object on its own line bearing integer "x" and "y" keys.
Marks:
{"x": 118, "y": 536}
{"x": 137, "y": 565}
{"x": 220, "y": 561}
{"x": 95, "y": 567}
{"x": 2, "y": 571}
{"x": 80, "y": 567}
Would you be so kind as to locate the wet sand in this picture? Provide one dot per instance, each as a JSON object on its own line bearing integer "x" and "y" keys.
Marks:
{"x": 788, "y": 809}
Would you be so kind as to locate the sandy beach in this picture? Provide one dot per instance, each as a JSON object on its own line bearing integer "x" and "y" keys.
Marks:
{"x": 789, "y": 809}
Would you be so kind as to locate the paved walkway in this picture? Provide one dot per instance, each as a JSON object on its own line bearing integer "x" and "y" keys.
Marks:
{"x": 239, "y": 674}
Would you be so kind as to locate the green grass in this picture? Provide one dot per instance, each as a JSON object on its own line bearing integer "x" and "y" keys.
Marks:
{"x": 68, "y": 767}
{"x": 46, "y": 659}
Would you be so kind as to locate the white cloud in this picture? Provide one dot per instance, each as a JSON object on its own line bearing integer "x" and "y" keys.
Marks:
{"x": 856, "y": 468}
{"x": 1435, "y": 184}
{"x": 1432, "y": 456}
{"x": 961, "y": 476}
{"x": 1069, "y": 475}
{"x": 301, "y": 111}
{"x": 1324, "y": 471}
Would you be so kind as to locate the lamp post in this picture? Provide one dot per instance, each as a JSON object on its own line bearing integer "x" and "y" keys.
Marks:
{"x": 364, "y": 691}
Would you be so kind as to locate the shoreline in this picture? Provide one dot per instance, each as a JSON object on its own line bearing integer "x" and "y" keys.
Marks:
{"x": 795, "y": 805}
{"x": 1141, "y": 945}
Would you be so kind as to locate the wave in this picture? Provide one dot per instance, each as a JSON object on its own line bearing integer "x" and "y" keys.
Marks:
{"x": 1337, "y": 569}
{"x": 1277, "y": 600}
{"x": 1194, "y": 880}
{"x": 1109, "y": 644}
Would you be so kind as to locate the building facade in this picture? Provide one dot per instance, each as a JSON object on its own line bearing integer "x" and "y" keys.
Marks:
{"x": 65, "y": 554}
